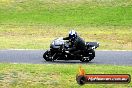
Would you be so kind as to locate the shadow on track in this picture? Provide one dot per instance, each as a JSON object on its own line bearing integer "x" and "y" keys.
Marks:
{"x": 67, "y": 62}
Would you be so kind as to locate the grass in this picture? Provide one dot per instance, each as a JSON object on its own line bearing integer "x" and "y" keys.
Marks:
{"x": 40, "y": 37}
{"x": 59, "y": 75}
{"x": 66, "y": 12}
{"x": 32, "y": 24}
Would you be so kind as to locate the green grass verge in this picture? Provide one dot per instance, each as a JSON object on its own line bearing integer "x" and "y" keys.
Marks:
{"x": 67, "y": 12}
{"x": 52, "y": 76}
{"x": 32, "y": 24}
{"x": 40, "y": 37}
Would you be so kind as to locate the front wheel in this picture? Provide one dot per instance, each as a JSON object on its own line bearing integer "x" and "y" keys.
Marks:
{"x": 46, "y": 56}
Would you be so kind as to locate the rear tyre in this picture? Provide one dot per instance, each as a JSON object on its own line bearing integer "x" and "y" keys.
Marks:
{"x": 89, "y": 57}
{"x": 84, "y": 59}
{"x": 46, "y": 56}
{"x": 91, "y": 54}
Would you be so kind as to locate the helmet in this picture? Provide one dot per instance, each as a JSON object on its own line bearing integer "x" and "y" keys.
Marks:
{"x": 72, "y": 35}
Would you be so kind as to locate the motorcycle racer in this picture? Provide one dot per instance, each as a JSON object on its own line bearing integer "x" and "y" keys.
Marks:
{"x": 74, "y": 48}
{"x": 76, "y": 43}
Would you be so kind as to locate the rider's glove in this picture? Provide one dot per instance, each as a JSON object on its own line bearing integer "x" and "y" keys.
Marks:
{"x": 67, "y": 51}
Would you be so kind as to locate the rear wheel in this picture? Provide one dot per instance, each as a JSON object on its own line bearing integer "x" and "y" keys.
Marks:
{"x": 89, "y": 57}
{"x": 91, "y": 54}
{"x": 85, "y": 59}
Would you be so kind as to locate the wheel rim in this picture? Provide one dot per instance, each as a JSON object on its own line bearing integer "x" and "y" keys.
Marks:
{"x": 47, "y": 55}
{"x": 85, "y": 60}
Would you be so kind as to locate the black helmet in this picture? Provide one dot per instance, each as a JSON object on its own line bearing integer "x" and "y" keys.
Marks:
{"x": 72, "y": 34}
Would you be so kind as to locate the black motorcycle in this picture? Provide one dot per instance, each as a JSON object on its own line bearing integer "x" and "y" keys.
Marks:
{"x": 58, "y": 51}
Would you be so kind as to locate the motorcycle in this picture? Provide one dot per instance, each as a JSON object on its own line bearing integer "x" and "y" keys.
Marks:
{"x": 59, "y": 51}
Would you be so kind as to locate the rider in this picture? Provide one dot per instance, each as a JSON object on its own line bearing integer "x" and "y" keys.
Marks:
{"x": 76, "y": 43}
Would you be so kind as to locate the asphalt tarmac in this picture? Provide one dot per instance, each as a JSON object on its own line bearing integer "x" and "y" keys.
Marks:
{"x": 36, "y": 57}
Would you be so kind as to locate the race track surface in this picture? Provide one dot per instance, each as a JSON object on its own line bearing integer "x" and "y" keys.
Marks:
{"x": 36, "y": 57}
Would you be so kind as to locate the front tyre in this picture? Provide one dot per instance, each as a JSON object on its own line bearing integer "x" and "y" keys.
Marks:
{"x": 46, "y": 55}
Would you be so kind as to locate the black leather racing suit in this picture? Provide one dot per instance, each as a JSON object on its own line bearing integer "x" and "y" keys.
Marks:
{"x": 77, "y": 45}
